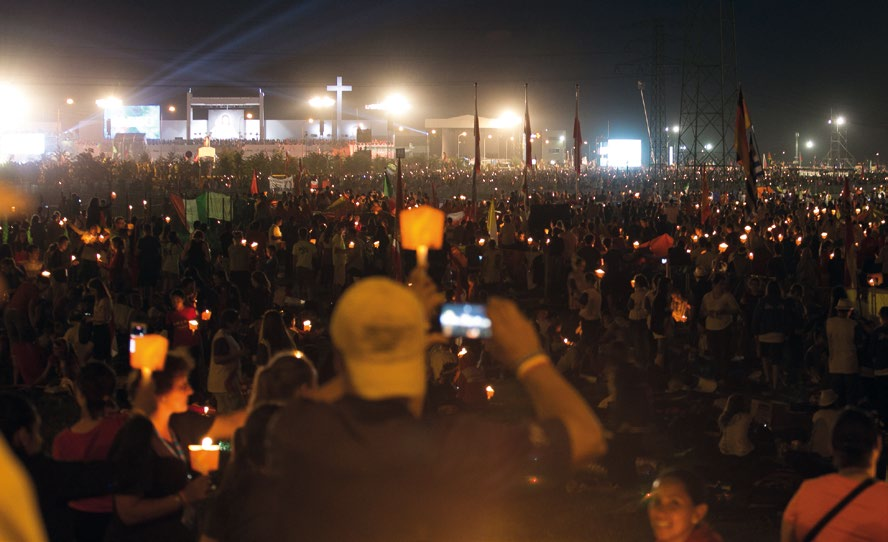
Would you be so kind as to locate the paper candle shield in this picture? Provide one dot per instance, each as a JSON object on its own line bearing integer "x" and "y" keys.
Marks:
{"x": 149, "y": 352}
{"x": 422, "y": 226}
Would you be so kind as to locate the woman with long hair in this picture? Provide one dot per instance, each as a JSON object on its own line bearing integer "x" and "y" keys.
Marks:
{"x": 90, "y": 439}
{"x": 274, "y": 337}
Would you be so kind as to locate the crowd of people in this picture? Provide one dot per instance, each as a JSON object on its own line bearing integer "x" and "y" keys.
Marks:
{"x": 301, "y": 335}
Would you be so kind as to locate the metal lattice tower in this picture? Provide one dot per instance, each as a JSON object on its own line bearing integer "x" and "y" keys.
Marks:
{"x": 657, "y": 94}
{"x": 838, "y": 156}
{"x": 709, "y": 85}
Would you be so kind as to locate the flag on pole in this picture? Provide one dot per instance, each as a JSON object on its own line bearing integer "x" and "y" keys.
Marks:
{"x": 491, "y": 221}
{"x": 747, "y": 153}
{"x": 254, "y": 186}
{"x": 477, "y": 168}
{"x": 528, "y": 149}
{"x": 477, "y": 136}
{"x": 578, "y": 135}
{"x": 387, "y": 189}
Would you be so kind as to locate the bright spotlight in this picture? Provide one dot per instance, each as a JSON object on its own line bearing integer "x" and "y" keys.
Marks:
{"x": 675, "y": 129}
{"x": 13, "y": 106}
{"x": 507, "y": 120}
{"x": 561, "y": 138}
{"x": 70, "y": 101}
{"x": 708, "y": 146}
{"x": 321, "y": 101}
{"x": 809, "y": 144}
{"x": 171, "y": 109}
{"x": 840, "y": 121}
{"x": 395, "y": 104}
{"x": 109, "y": 102}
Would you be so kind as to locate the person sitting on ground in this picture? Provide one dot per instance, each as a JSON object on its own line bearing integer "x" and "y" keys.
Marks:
{"x": 734, "y": 425}
{"x": 856, "y": 443}
{"x": 677, "y": 508}
{"x": 822, "y": 424}
{"x": 56, "y": 482}
{"x": 90, "y": 440}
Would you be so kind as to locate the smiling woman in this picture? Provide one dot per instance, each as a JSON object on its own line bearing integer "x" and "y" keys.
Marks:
{"x": 677, "y": 507}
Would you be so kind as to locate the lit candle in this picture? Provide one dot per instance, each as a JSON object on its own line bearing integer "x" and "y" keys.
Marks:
{"x": 113, "y": 195}
{"x": 166, "y": 219}
{"x": 46, "y": 274}
{"x": 193, "y": 325}
{"x": 306, "y": 325}
{"x": 254, "y": 245}
{"x": 599, "y": 273}
{"x": 799, "y": 241}
{"x": 743, "y": 238}
{"x": 823, "y": 235}
{"x": 204, "y": 457}
{"x": 243, "y": 242}
{"x": 530, "y": 240}
{"x": 722, "y": 247}
{"x": 635, "y": 245}
{"x": 490, "y": 392}
{"x": 481, "y": 242}
{"x": 751, "y": 256}
{"x": 351, "y": 244}
{"x": 206, "y": 315}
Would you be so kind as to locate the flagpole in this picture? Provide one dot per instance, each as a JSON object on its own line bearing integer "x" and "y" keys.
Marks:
{"x": 477, "y": 157}
{"x": 577, "y": 137}
{"x": 527, "y": 154}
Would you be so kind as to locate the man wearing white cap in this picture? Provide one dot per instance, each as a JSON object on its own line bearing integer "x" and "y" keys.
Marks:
{"x": 366, "y": 467}
{"x": 841, "y": 336}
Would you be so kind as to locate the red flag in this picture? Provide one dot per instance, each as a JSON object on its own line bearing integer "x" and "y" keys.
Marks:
{"x": 528, "y": 149}
{"x": 705, "y": 211}
{"x": 254, "y": 186}
{"x": 578, "y": 135}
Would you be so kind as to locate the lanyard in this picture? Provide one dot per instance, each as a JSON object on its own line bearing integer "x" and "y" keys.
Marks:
{"x": 174, "y": 448}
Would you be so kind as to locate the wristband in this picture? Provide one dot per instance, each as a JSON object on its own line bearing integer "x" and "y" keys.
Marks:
{"x": 529, "y": 362}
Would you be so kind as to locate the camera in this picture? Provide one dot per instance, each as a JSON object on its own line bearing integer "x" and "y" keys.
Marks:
{"x": 467, "y": 320}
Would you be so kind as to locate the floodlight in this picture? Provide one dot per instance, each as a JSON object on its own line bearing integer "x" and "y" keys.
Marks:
{"x": 321, "y": 101}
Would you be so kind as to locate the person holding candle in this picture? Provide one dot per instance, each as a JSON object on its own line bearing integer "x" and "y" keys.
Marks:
{"x": 153, "y": 482}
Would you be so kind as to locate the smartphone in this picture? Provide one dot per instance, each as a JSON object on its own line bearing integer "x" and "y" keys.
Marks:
{"x": 467, "y": 320}
{"x": 137, "y": 329}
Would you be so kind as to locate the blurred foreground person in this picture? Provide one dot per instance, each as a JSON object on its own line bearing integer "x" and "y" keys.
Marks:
{"x": 366, "y": 467}
{"x": 849, "y": 504}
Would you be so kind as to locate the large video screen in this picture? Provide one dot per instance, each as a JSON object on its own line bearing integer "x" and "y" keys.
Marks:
{"x": 621, "y": 153}
{"x": 225, "y": 123}
{"x": 133, "y": 119}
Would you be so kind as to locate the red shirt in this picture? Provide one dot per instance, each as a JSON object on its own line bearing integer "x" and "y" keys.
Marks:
{"x": 90, "y": 446}
{"x": 182, "y": 335}
{"x": 863, "y": 519}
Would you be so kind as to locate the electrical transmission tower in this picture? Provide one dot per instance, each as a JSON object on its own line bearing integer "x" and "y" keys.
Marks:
{"x": 653, "y": 72}
{"x": 708, "y": 85}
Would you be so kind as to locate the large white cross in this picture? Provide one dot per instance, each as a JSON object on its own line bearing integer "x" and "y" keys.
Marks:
{"x": 338, "y": 88}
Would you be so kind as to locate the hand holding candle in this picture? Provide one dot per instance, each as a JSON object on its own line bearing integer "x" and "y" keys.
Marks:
{"x": 422, "y": 228}
{"x": 204, "y": 457}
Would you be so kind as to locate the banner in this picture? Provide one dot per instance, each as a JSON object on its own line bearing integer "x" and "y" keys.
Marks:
{"x": 277, "y": 183}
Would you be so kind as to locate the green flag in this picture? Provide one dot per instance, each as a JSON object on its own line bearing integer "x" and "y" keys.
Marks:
{"x": 387, "y": 190}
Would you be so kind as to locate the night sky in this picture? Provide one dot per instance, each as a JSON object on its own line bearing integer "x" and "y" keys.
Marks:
{"x": 796, "y": 61}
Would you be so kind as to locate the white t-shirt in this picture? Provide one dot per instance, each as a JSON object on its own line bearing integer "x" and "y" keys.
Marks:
{"x": 219, "y": 373}
{"x": 735, "y": 436}
{"x": 719, "y": 311}
{"x": 842, "y": 350}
